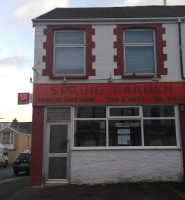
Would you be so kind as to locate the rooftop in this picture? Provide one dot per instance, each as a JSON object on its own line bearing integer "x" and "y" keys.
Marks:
{"x": 114, "y": 12}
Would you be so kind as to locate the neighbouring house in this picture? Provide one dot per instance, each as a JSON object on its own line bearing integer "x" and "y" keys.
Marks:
{"x": 109, "y": 95}
{"x": 16, "y": 139}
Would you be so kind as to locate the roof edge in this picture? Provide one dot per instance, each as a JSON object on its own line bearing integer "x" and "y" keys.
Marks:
{"x": 75, "y": 21}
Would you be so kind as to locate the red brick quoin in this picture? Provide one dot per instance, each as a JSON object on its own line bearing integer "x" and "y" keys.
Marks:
{"x": 160, "y": 43}
{"x": 48, "y": 45}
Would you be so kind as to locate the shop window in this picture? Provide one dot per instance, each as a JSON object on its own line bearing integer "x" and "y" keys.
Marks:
{"x": 124, "y": 111}
{"x": 158, "y": 111}
{"x": 91, "y": 112}
{"x": 139, "y": 48}
{"x": 116, "y": 126}
{"x": 90, "y": 130}
{"x": 124, "y": 133}
{"x": 90, "y": 133}
{"x": 159, "y": 126}
{"x": 69, "y": 48}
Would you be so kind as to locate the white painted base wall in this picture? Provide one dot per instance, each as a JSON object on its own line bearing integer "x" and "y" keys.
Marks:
{"x": 105, "y": 166}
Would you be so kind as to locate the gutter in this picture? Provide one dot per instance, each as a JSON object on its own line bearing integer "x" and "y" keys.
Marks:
{"x": 104, "y": 20}
{"x": 180, "y": 48}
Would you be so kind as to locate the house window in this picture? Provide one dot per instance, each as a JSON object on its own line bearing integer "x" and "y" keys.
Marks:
{"x": 69, "y": 48}
{"x": 139, "y": 51}
{"x": 126, "y": 126}
{"x": 7, "y": 138}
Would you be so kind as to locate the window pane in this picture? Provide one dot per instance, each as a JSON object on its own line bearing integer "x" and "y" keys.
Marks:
{"x": 159, "y": 133}
{"x": 91, "y": 112}
{"x": 69, "y": 37}
{"x": 139, "y": 59}
{"x": 11, "y": 138}
{"x": 4, "y": 138}
{"x": 90, "y": 133}
{"x": 57, "y": 168}
{"x": 139, "y": 36}
{"x": 22, "y": 156}
{"x": 69, "y": 60}
{"x": 124, "y": 132}
{"x": 124, "y": 111}
{"x": 158, "y": 111}
{"x": 58, "y": 139}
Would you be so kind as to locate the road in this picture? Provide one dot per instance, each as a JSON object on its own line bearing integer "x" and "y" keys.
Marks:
{"x": 9, "y": 183}
{"x": 6, "y": 173}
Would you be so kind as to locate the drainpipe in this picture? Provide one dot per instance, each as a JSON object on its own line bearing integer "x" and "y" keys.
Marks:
{"x": 180, "y": 49}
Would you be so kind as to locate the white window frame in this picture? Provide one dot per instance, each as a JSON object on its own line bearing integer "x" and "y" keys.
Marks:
{"x": 68, "y": 46}
{"x": 140, "y": 117}
{"x": 139, "y": 45}
{"x": 11, "y": 137}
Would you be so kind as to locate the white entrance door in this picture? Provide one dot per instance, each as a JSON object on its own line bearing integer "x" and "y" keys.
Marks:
{"x": 58, "y": 152}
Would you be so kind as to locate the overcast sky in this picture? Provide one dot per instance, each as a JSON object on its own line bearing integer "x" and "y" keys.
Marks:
{"x": 17, "y": 46}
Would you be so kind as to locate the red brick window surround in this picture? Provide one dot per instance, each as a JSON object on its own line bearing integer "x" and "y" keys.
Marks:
{"x": 160, "y": 43}
{"x": 49, "y": 57}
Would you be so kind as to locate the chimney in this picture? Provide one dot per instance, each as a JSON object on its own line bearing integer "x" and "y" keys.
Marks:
{"x": 164, "y": 2}
{"x": 14, "y": 123}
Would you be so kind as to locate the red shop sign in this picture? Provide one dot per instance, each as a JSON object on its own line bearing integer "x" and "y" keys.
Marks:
{"x": 106, "y": 93}
{"x": 23, "y": 98}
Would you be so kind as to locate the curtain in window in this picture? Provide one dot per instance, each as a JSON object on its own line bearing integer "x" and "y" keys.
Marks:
{"x": 139, "y": 59}
{"x": 139, "y": 51}
{"x": 69, "y": 52}
{"x": 69, "y": 60}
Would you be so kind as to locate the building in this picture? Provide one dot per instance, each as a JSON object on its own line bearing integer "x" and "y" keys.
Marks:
{"x": 16, "y": 139}
{"x": 109, "y": 95}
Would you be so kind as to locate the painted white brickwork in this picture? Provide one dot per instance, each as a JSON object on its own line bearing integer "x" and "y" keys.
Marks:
{"x": 104, "y": 51}
{"x": 102, "y": 166}
{"x": 39, "y": 65}
{"x": 172, "y": 50}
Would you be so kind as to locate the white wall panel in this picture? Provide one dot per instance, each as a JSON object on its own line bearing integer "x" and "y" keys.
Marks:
{"x": 125, "y": 165}
{"x": 104, "y": 51}
{"x": 172, "y": 51}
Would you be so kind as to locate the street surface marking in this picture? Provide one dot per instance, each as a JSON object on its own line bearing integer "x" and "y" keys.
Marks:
{"x": 9, "y": 180}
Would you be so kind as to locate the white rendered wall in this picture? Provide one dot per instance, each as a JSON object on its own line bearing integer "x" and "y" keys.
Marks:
{"x": 39, "y": 52}
{"x": 173, "y": 55}
{"x": 104, "y": 52}
{"x": 104, "y": 166}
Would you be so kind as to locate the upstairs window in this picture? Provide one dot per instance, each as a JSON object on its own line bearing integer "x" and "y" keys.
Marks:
{"x": 69, "y": 52}
{"x": 139, "y": 51}
{"x": 7, "y": 138}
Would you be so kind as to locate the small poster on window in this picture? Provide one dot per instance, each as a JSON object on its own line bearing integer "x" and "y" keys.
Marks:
{"x": 124, "y": 137}
{"x": 125, "y": 125}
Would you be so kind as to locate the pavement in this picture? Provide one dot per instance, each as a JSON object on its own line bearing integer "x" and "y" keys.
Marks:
{"x": 120, "y": 191}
